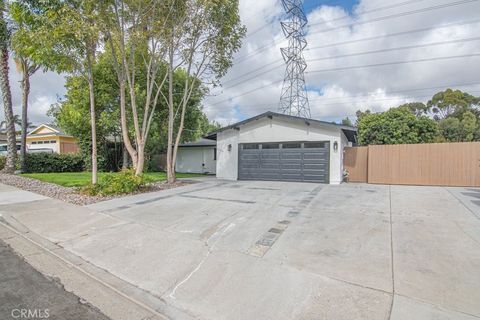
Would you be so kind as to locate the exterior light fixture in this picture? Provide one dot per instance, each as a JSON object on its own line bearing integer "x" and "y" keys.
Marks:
{"x": 335, "y": 146}
{"x": 229, "y": 147}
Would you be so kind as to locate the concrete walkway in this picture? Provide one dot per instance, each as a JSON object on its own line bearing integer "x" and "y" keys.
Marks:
{"x": 271, "y": 250}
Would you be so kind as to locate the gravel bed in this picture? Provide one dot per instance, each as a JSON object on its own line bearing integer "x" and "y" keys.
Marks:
{"x": 71, "y": 195}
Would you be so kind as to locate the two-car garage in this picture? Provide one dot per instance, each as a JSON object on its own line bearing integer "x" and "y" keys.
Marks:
{"x": 285, "y": 161}
{"x": 281, "y": 147}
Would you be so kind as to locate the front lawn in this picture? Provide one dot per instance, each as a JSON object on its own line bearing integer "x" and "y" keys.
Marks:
{"x": 80, "y": 179}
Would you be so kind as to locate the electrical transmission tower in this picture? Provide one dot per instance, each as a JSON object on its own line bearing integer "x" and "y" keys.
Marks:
{"x": 294, "y": 99}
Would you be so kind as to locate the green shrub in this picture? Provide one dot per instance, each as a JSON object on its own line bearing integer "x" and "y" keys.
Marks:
{"x": 117, "y": 183}
{"x": 54, "y": 162}
{"x": 3, "y": 159}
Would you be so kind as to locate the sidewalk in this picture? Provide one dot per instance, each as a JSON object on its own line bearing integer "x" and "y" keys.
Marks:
{"x": 58, "y": 221}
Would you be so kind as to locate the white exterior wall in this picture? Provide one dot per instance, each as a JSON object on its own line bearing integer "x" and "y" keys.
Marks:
{"x": 277, "y": 130}
{"x": 196, "y": 160}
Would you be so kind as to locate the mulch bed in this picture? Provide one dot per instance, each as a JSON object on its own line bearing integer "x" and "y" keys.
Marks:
{"x": 71, "y": 195}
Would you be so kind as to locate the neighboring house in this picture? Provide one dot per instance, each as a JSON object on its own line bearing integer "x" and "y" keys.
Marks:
{"x": 197, "y": 157}
{"x": 274, "y": 146}
{"x": 51, "y": 139}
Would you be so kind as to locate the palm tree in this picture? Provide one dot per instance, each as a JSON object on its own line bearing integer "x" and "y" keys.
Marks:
{"x": 6, "y": 92}
{"x": 27, "y": 68}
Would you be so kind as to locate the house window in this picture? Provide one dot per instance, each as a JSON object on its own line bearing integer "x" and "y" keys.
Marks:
{"x": 251, "y": 146}
{"x": 214, "y": 154}
{"x": 315, "y": 145}
{"x": 291, "y": 146}
{"x": 53, "y": 141}
{"x": 270, "y": 146}
{"x": 34, "y": 142}
{"x": 40, "y": 142}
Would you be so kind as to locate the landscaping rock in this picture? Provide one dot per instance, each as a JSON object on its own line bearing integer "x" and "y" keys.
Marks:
{"x": 72, "y": 195}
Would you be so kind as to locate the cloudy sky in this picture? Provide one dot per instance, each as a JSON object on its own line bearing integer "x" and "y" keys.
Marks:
{"x": 332, "y": 32}
{"x": 340, "y": 76}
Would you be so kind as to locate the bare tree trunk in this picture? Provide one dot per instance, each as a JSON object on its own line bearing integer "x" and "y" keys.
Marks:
{"x": 25, "y": 94}
{"x": 140, "y": 159}
{"x": 123, "y": 123}
{"x": 170, "y": 168}
{"x": 125, "y": 158}
{"x": 7, "y": 105}
{"x": 92, "y": 118}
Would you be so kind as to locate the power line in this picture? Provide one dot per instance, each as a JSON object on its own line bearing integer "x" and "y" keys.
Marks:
{"x": 432, "y": 44}
{"x": 336, "y": 44}
{"x": 345, "y": 56}
{"x": 402, "y": 14}
{"x": 354, "y": 97}
{"x": 360, "y": 67}
{"x": 341, "y": 18}
{"x": 396, "y": 63}
{"x": 397, "y": 15}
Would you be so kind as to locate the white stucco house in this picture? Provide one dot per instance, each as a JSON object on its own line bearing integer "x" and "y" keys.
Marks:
{"x": 273, "y": 146}
{"x": 197, "y": 157}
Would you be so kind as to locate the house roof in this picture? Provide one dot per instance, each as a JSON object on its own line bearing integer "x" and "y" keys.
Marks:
{"x": 350, "y": 132}
{"x": 55, "y": 131}
{"x": 202, "y": 142}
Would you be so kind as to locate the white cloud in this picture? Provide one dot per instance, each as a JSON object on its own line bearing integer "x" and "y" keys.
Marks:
{"x": 44, "y": 89}
{"x": 341, "y": 93}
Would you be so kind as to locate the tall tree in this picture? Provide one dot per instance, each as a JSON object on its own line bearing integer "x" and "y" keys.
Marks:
{"x": 135, "y": 29}
{"x": 6, "y": 91}
{"x": 63, "y": 36}
{"x": 201, "y": 37}
{"x": 27, "y": 68}
{"x": 451, "y": 103}
{"x": 396, "y": 126}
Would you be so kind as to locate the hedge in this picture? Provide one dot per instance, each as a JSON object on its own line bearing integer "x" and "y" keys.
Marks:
{"x": 54, "y": 162}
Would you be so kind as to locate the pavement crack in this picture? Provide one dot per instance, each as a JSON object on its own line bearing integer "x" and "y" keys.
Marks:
{"x": 217, "y": 236}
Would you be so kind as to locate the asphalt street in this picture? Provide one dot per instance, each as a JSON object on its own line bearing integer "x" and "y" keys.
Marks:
{"x": 27, "y": 294}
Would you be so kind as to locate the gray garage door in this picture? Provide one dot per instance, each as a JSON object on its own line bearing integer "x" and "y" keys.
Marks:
{"x": 287, "y": 161}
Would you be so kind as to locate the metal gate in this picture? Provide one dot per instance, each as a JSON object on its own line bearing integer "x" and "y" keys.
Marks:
{"x": 285, "y": 161}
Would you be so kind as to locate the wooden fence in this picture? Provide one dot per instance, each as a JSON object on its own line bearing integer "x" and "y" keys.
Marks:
{"x": 438, "y": 164}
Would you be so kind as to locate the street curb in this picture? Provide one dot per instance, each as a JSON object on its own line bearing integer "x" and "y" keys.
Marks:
{"x": 38, "y": 254}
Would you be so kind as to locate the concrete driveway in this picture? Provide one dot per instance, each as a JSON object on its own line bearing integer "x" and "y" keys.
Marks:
{"x": 273, "y": 250}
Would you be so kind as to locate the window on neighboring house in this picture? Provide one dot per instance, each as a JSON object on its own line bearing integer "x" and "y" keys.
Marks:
{"x": 214, "y": 154}
{"x": 34, "y": 142}
{"x": 53, "y": 141}
{"x": 40, "y": 142}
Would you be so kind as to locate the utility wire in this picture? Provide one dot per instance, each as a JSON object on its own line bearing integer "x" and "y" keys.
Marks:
{"x": 397, "y": 15}
{"x": 336, "y": 44}
{"x": 354, "y": 97}
{"x": 396, "y": 63}
{"x": 367, "y": 39}
{"x": 402, "y": 14}
{"x": 358, "y": 67}
{"x": 344, "y": 56}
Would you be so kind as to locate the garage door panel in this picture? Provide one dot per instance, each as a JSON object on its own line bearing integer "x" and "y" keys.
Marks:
{"x": 290, "y": 164}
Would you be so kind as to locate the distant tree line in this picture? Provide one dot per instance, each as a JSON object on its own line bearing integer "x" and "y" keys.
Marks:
{"x": 450, "y": 116}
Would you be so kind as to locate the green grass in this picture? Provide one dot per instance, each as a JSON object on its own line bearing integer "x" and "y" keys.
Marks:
{"x": 80, "y": 179}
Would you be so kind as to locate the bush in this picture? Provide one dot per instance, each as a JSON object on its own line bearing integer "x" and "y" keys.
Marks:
{"x": 117, "y": 183}
{"x": 3, "y": 160}
{"x": 54, "y": 162}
